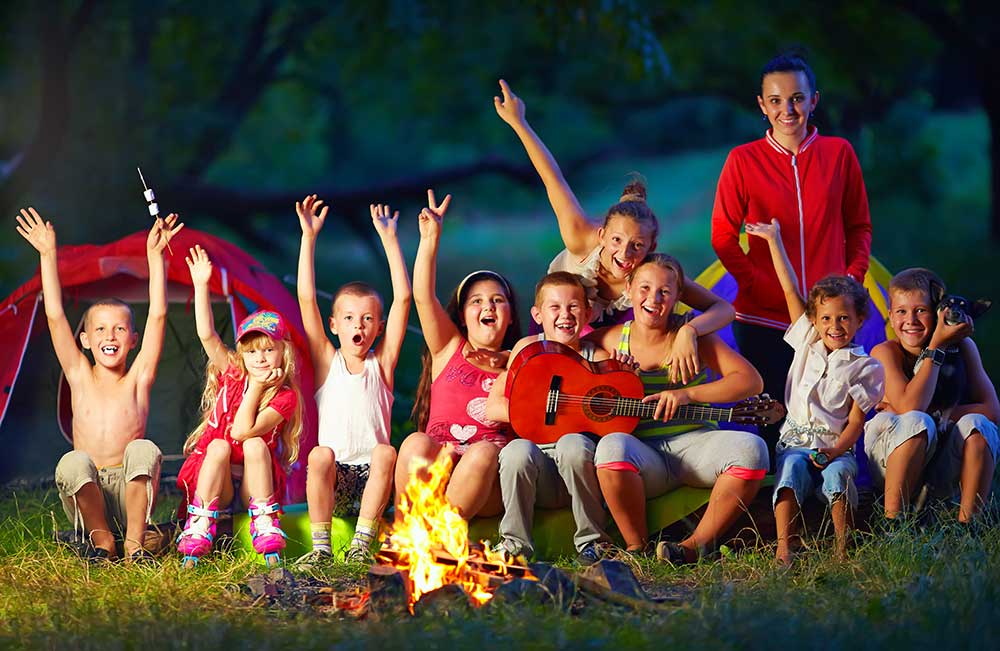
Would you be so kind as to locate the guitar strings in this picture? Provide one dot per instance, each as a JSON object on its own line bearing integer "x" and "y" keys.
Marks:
{"x": 635, "y": 403}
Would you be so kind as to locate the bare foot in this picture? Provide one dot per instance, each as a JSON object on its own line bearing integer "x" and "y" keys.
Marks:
{"x": 784, "y": 556}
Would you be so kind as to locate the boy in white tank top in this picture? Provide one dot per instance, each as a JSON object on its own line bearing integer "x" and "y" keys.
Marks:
{"x": 353, "y": 461}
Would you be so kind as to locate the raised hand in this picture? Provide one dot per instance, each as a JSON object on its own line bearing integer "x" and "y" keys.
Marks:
{"x": 309, "y": 220}
{"x": 384, "y": 224}
{"x": 510, "y": 108}
{"x": 162, "y": 232}
{"x": 770, "y": 232}
{"x": 946, "y": 334}
{"x": 199, "y": 265}
{"x": 39, "y": 233}
{"x": 432, "y": 216}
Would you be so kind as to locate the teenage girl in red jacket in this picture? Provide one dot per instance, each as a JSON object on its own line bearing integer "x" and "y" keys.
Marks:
{"x": 812, "y": 185}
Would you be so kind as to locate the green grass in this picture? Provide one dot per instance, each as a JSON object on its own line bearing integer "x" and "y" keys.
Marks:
{"x": 913, "y": 589}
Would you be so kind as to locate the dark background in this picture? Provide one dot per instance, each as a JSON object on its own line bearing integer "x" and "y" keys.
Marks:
{"x": 235, "y": 110}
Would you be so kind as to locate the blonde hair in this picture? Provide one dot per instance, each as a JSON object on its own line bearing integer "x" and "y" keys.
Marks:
{"x": 292, "y": 428}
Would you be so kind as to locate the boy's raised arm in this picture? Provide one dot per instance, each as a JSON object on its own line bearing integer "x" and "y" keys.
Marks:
{"x": 42, "y": 235}
{"x": 320, "y": 347}
{"x": 786, "y": 275}
{"x": 402, "y": 295}
{"x": 201, "y": 272}
{"x": 437, "y": 327}
{"x": 578, "y": 233}
{"x": 152, "y": 337}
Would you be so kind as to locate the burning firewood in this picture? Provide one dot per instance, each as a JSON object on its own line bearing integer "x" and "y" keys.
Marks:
{"x": 429, "y": 542}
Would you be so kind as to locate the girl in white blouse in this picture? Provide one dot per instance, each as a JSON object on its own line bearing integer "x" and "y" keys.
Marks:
{"x": 831, "y": 384}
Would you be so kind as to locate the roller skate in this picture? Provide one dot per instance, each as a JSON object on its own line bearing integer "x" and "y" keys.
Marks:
{"x": 268, "y": 538}
{"x": 199, "y": 531}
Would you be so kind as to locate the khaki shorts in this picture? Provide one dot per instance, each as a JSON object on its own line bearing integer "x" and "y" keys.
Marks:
{"x": 887, "y": 431}
{"x": 141, "y": 459}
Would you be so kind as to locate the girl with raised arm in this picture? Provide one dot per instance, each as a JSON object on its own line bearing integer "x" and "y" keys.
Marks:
{"x": 460, "y": 365}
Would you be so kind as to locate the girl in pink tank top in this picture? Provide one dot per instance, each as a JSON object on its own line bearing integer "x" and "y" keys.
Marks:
{"x": 464, "y": 353}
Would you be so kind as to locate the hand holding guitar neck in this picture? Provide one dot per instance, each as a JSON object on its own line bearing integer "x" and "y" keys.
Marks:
{"x": 554, "y": 391}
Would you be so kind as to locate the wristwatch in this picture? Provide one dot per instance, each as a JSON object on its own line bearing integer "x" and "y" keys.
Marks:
{"x": 936, "y": 355}
{"x": 819, "y": 458}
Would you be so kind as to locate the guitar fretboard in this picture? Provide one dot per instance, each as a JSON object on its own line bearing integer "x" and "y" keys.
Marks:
{"x": 636, "y": 408}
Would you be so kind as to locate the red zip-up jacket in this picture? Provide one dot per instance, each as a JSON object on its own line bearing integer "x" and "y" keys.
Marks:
{"x": 819, "y": 199}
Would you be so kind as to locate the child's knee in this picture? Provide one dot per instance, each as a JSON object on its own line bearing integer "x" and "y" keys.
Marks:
{"x": 255, "y": 449}
{"x": 142, "y": 459}
{"x": 217, "y": 451}
{"x": 517, "y": 455}
{"x": 575, "y": 451}
{"x": 482, "y": 457}
{"x": 615, "y": 448}
{"x": 74, "y": 470}
{"x": 321, "y": 459}
{"x": 981, "y": 429}
{"x": 747, "y": 452}
{"x": 383, "y": 456}
{"x": 417, "y": 444}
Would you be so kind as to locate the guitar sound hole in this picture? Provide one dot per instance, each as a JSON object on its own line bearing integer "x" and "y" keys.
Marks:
{"x": 600, "y": 402}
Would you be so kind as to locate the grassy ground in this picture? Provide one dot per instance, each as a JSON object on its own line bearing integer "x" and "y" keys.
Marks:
{"x": 912, "y": 589}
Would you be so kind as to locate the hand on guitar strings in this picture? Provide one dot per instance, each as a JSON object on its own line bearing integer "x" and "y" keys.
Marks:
{"x": 667, "y": 403}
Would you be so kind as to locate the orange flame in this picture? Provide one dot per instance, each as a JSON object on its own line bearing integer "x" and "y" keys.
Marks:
{"x": 427, "y": 524}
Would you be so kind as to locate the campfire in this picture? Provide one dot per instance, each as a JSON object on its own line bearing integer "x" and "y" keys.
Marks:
{"x": 429, "y": 542}
{"x": 427, "y": 566}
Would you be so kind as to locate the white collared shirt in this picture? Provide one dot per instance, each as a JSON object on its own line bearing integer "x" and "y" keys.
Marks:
{"x": 822, "y": 384}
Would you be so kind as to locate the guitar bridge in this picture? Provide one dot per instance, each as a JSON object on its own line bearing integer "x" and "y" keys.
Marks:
{"x": 552, "y": 402}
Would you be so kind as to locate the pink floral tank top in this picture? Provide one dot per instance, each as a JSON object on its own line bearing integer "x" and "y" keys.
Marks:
{"x": 458, "y": 406}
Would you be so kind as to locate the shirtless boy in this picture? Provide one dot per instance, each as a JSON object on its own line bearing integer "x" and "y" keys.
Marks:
{"x": 112, "y": 473}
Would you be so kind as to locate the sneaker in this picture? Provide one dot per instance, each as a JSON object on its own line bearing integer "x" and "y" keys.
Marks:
{"x": 672, "y": 553}
{"x": 592, "y": 553}
{"x": 315, "y": 558}
{"x": 645, "y": 552}
{"x": 95, "y": 555}
{"x": 358, "y": 555}
{"x": 510, "y": 552}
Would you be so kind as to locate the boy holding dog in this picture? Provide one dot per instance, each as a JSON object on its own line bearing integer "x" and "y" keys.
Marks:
{"x": 938, "y": 423}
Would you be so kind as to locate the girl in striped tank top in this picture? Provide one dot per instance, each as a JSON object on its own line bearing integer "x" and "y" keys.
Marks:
{"x": 661, "y": 455}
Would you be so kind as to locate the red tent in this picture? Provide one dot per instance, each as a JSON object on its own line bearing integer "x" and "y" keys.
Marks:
{"x": 119, "y": 269}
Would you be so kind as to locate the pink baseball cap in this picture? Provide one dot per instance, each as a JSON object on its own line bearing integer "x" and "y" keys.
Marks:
{"x": 266, "y": 321}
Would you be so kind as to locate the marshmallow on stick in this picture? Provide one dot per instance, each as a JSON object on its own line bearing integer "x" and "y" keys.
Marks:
{"x": 154, "y": 208}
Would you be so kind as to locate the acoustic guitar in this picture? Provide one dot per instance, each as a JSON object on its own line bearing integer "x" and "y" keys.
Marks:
{"x": 554, "y": 391}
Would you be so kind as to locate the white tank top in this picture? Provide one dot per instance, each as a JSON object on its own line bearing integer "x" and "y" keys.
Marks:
{"x": 354, "y": 410}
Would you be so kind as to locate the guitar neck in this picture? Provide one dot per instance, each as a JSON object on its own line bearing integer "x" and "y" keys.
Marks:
{"x": 633, "y": 407}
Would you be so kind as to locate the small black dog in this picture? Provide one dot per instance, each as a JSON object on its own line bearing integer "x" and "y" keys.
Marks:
{"x": 955, "y": 308}
{"x": 952, "y": 381}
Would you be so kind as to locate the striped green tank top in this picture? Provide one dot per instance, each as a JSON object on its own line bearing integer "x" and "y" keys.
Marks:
{"x": 659, "y": 380}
